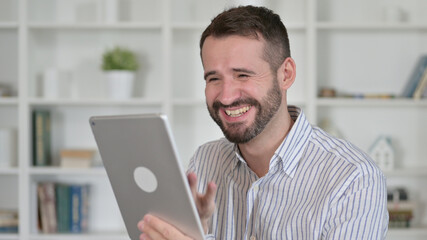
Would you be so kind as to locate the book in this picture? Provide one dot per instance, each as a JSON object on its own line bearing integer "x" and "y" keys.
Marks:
{"x": 41, "y": 138}
{"x": 63, "y": 207}
{"x": 47, "y": 207}
{"x": 79, "y": 208}
{"x": 9, "y": 229}
{"x": 76, "y": 158}
{"x": 421, "y": 87}
{"x": 415, "y": 78}
{"x": 9, "y": 221}
{"x": 6, "y": 214}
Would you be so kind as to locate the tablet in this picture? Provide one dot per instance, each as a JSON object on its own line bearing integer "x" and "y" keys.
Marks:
{"x": 142, "y": 165}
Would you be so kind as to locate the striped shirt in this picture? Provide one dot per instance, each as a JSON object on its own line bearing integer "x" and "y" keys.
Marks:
{"x": 317, "y": 187}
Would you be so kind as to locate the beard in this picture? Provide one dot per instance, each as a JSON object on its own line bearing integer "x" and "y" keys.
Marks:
{"x": 266, "y": 109}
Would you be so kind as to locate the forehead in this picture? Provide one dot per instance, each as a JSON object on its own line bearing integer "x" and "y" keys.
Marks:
{"x": 232, "y": 48}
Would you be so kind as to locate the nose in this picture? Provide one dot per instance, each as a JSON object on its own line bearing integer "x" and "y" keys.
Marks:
{"x": 229, "y": 92}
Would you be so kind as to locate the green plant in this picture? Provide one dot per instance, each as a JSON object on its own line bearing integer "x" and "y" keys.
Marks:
{"x": 119, "y": 59}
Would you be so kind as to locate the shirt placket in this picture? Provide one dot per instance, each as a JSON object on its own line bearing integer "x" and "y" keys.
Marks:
{"x": 252, "y": 208}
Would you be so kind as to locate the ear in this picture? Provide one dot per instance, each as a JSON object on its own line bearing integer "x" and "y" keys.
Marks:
{"x": 286, "y": 73}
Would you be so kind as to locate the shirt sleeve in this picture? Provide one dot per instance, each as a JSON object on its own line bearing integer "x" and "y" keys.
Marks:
{"x": 192, "y": 167}
{"x": 361, "y": 211}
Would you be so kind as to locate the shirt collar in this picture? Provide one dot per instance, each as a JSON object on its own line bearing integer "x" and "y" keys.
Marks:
{"x": 291, "y": 149}
{"x": 294, "y": 144}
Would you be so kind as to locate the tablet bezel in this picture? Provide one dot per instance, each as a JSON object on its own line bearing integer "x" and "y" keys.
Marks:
{"x": 128, "y": 141}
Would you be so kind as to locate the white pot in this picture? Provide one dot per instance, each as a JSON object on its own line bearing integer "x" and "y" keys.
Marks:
{"x": 57, "y": 84}
{"x": 120, "y": 84}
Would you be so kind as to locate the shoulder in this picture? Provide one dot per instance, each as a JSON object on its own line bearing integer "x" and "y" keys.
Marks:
{"x": 350, "y": 170}
{"x": 211, "y": 160}
{"x": 357, "y": 162}
{"x": 211, "y": 154}
{"x": 214, "y": 149}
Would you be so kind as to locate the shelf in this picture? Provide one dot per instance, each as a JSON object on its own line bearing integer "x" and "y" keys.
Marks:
{"x": 299, "y": 103}
{"x": 190, "y": 26}
{"x": 9, "y": 236}
{"x": 95, "y": 26}
{"x": 8, "y": 25}
{"x": 295, "y": 26}
{"x": 95, "y": 171}
{"x": 182, "y": 102}
{"x": 370, "y": 26}
{"x": 370, "y": 102}
{"x": 9, "y": 171}
{"x": 202, "y": 25}
{"x": 89, "y": 236}
{"x": 409, "y": 172}
{"x": 408, "y": 232}
{"x": 8, "y": 101}
{"x": 94, "y": 102}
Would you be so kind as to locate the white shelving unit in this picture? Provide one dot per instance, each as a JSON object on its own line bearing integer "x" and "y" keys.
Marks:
{"x": 346, "y": 45}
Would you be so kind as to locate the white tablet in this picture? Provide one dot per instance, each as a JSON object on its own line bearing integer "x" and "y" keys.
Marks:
{"x": 142, "y": 165}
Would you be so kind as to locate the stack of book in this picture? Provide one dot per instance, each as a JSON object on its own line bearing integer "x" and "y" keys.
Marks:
{"x": 8, "y": 221}
{"x": 63, "y": 208}
{"x": 76, "y": 158}
{"x": 417, "y": 85}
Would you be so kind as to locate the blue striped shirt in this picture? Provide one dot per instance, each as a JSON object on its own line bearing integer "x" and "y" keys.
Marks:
{"x": 317, "y": 187}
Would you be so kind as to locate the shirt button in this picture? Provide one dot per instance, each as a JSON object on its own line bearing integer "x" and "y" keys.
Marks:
{"x": 252, "y": 238}
{"x": 256, "y": 190}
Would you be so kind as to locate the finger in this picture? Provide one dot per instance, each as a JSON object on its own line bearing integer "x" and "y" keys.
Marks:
{"x": 161, "y": 229}
{"x": 207, "y": 199}
{"x": 148, "y": 233}
{"x": 151, "y": 234}
{"x": 207, "y": 203}
{"x": 192, "y": 181}
{"x": 210, "y": 193}
{"x": 144, "y": 236}
{"x": 140, "y": 225}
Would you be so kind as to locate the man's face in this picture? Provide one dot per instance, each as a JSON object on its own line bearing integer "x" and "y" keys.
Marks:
{"x": 242, "y": 94}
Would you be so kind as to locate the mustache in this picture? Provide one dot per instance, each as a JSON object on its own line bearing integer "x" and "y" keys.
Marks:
{"x": 247, "y": 101}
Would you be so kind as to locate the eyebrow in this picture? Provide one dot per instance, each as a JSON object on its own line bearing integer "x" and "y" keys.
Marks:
{"x": 244, "y": 70}
{"x": 209, "y": 73}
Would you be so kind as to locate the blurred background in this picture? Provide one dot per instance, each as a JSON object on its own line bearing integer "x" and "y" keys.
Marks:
{"x": 361, "y": 75}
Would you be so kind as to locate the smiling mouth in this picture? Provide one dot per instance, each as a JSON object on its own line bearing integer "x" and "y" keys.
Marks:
{"x": 238, "y": 112}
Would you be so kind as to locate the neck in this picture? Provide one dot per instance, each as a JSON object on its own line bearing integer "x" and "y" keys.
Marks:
{"x": 259, "y": 151}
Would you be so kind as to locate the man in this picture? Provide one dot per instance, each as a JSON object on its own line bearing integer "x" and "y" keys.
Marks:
{"x": 274, "y": 176}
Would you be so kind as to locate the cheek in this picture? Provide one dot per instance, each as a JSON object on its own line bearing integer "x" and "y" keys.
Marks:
{"x": 255, "y": 91}
{"x": 210, "y": 94}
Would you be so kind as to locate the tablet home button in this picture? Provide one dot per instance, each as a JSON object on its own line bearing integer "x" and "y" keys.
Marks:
{"x": 145, "y": 179}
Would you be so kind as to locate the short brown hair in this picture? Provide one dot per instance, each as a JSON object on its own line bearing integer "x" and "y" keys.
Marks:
{"x": 249, "y": 21}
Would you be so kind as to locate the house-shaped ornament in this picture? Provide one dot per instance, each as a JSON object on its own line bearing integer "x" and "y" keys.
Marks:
{"x": 382, "y": 153}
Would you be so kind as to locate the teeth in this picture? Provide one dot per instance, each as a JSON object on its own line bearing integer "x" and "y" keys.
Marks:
{"x": 237, "y": 112}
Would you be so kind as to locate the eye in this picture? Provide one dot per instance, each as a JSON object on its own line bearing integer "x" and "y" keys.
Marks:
{"x": 212, "y": 79}
{"x": 243, "y": 75}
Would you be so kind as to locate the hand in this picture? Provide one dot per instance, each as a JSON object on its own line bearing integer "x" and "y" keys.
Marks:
{"x": 155, "y": 228}
{"x": 204, "y": 202}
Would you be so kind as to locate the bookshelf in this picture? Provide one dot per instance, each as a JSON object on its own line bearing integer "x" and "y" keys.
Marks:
{"x": 348, "y": 46}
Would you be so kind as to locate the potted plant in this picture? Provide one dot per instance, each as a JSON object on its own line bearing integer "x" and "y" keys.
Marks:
{"x": 120, "y": 65}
